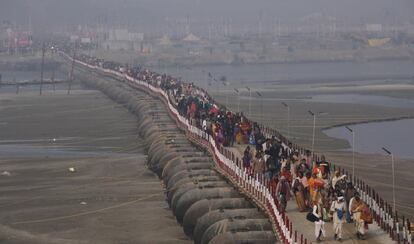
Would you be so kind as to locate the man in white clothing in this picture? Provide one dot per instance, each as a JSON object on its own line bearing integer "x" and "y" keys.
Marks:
{"x": 338, "y": 213}
{"x": 320, "y": 223}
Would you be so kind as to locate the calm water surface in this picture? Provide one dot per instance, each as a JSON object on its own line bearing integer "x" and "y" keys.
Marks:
{"x": 302, "y": 71}
{"x": 397, "y": 136}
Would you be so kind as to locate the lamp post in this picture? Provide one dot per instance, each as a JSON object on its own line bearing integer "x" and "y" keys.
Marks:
{"x": 288, "y": 117}
{"x": 313, "y": 132}
{"x": 210, "y": 80}
{"x": 204, "y": 78}
{"x": 261, "y": 106}
{"x": 353, "y": 149}
{"x": 41, "y": 71}
{"x": 238, "y": 99}
{"x": 72, "y": 68}
{"x": 218, "y": 86}
{"x": 250, "y": 100}
{"x": 393, "y": 174}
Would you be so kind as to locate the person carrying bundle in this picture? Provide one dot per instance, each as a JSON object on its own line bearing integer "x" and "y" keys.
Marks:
{"x": 357, "y": 209}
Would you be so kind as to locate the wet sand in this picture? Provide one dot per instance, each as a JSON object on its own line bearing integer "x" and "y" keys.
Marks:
{"x": 110, "y": 198}
{"x": 375, "y": 169}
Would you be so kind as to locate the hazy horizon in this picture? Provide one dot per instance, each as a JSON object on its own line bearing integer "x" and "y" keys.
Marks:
{"x": 145, "y": 14}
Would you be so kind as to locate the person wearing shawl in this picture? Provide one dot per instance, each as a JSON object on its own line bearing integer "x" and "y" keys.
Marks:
{"x": 357, "y": 208}
{"x": 283, "y": 192}
{"x": 298, "y": 190}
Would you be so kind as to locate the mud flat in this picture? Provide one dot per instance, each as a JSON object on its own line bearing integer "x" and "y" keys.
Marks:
{"x": 375, "y": 169}
{"x": 110, "y": 198}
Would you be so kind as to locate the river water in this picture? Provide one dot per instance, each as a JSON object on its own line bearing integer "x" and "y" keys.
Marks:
{"x": 301, "y": 71}
{"x": 396, "y": 136}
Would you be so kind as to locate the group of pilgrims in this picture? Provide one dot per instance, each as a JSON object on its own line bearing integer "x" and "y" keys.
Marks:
{"x": 325, "y": 195}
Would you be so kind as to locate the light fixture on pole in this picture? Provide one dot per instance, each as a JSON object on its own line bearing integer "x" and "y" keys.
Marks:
{"x": 210, "y": 80}
{"x": 226, "y": 83}
{"x": 261, "y": 106}
{"x": 288, "y": 118}
{"x": 393, "y": 174}
{"x": 205, "y": 78}
{"x": 218, "y": 85}
{"x": 353, "y": 149}
{"x": 250, "y": 100}
{"x": 238, "y": 100}
{"x": 313, "y": 132}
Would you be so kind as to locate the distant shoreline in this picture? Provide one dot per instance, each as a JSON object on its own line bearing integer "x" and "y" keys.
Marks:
{"x": 367, "y": 122}
{"x": 218, "y": 63}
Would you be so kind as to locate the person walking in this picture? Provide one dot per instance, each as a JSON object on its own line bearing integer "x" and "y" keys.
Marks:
{"x": 247, "y": 158}
{"x": 320, "y": 223}
{"x": 349, "y": 195}
{"x": 283, "y": 192}
{"x": 357, "y": 208}
{"x": 338, "y": 212}
{"x": 273, "y": 161}
{"x": 258, "y": 164}
{"x": 298, "y": 191}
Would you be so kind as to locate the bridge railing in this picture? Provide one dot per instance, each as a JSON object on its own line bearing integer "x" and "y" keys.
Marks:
{"x": 257, "y": 187}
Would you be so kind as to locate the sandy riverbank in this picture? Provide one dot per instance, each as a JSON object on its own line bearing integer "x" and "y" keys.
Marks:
{"x": 111, "y": 198}
{"x": 374, "y": 169}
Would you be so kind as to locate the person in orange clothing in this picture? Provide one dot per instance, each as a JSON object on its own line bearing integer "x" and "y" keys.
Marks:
{"x": 312, "y": 188}
{"x": 315, "y": 184}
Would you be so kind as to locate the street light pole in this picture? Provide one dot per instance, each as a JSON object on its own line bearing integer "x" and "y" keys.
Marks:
{"x": 218, "y": 86}
{"x": 71, "y": 70}
{"x": 250, "y": 101}
{"x": 42, "y": 68}
{"x": 393, "y": 174}
{"x": 353, "y": 149}
{"x": 313, "y": 133}
{"x": 204, "y": 78}
{"x": 225, "y": 83}
{"x": 288, "y": 117}
{"x": 261, "y": 106}
{"x": 238, "y": 100}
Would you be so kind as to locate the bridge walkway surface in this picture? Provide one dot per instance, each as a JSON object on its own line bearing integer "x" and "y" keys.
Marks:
{"x": 373, "y": 235}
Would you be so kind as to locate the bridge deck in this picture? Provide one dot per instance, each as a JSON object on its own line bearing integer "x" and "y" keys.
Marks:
{"x": 374, "y": 234}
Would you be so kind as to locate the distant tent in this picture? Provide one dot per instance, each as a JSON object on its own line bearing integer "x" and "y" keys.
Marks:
{"x": 191, "y": 38}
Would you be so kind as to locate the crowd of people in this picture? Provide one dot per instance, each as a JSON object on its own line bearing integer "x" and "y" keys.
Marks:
{"x": 325, "y": 195}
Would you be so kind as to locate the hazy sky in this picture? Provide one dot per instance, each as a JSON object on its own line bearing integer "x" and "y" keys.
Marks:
{"x": 48, "y": 13}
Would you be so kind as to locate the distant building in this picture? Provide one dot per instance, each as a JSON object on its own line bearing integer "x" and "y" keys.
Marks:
{"x": 165, "y": 41}
{"x": 373, "y": 27}
{"x": 125, "y": 35}
{"x": 191, "y": 38}
{"x": 122, "y": 39}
